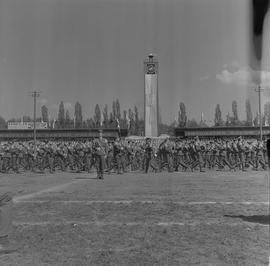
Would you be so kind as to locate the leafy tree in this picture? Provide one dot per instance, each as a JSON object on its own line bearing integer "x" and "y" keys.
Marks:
{"x": 61, "y": 116}
{"x": 27, "y": 118}
{"x": 78, "y": 115}
{"x": 97, "y": 116}
{"x": 203, "y": 124}
{"x": 166, "y": 129}
{"x": 114, "y": 110}
{"x": 105, "y": 116}
{"x": 182, "y": 116}
{"x": 267, "y": 113}
{"x": 228, "y": 120}
{"x": 44, "y": 113}
{"x": 235, "y": 120}
{"x": 132, "y": 121}
{"x": 203, "y": 121}
{"x": 264, "y": 120}
{"x": 3, "y": 123}
{"x": 192, "y": 123}
{"x": 19, "y": 119}
{"x": 136, "y": 120}
{"x": 218, "y": 116}
{"x": 90, "y": 123}
{"x": 249, "y": 117}
{"x": 112, "y": 122}
{"x": 125, "y": 119}
{"x": 141, "y": 127}
{"x": 256, "y": 120}
{"x": 118, "y": 110}
{"x": 84, "y": 124}
{"x": 68, "y": 121}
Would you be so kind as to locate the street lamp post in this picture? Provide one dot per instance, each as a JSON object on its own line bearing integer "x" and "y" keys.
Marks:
{"x": 259, "y": 90}
{"x": 35, "y": 94}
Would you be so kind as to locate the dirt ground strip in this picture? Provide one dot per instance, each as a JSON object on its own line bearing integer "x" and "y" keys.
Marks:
{"x": 214, "y": 218}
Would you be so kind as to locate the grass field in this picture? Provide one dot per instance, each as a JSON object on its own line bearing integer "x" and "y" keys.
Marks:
{"x": 212, "y": 218}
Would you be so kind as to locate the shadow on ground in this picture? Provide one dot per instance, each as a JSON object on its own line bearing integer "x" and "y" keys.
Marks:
{"x": 261, "y": 219}
{"x": 83, "y": 177}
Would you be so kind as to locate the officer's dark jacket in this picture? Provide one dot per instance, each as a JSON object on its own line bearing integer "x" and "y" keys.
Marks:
{"x": 268, "y": 147}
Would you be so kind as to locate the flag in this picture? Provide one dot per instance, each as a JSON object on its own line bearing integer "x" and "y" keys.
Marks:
{"x": 54, "y": 120}
{"x": 128, "y": 122}
{"x": 118, "y": 123}
{"x": 49, "y": 122}
{"x": 266, "y": 122}
{"x": 202, "y": 117}
{"x": 101, "y": 119}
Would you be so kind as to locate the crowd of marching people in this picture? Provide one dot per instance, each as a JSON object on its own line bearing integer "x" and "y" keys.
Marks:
{"x": 122, "y": 155}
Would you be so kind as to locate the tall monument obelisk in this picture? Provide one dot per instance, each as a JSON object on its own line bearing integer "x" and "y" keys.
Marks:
{"x": 151, "y": 109}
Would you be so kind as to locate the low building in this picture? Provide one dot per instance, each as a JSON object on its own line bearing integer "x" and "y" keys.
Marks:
{"x": 206, "y": 132}
{"x": 63, "y": 134}
{"x": 27, "y": 125}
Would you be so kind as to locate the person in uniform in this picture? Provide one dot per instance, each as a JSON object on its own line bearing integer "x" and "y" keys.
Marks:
{"x": 148, "y": 155}
{"x": 118, "y": 153}
{"x": 259, "y": 156}
{"x": 207, "y": 156}
{"x": 197, "y": 149}
{"x": 88, "y": 158}
{"x": 223, "y": 156}
{"x": 1, "y": 159}
{"x": 100, "y": 152}
{"x": 166, "y": 155}
{"x": 268, "y": 151}
{"x": 241, "y": 151}
{"x": 180, "y": 157}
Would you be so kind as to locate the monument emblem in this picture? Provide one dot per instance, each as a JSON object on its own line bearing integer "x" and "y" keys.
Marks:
{"x": 151, "y": 111}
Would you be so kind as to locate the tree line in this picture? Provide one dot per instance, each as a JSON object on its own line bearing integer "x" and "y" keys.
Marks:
{"x": 232, "y": 119}
{"x": 102, "y": 118}
{"x": 130, "y": 119}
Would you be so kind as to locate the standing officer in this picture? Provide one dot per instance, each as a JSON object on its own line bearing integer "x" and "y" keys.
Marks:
{"x": 268, "y": 151}
{"x": 241, "y": 150}
{"x": 148, "y": 155}
{"x": 100, "y": 152}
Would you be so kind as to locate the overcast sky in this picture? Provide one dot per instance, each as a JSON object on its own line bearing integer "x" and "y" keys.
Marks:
{"x": 92, "y": 51}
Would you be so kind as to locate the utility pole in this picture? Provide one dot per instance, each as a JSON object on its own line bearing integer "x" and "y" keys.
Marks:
{"x": 35, "y": 94}
{"x": 259, "y": 90}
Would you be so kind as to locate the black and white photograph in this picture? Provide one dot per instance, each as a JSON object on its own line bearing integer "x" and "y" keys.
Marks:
{"x": 134, "y": 132}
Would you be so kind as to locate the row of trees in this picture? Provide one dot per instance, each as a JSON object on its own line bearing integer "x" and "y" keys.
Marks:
{"x": 102, "y": 118}
{"x": 231, "y": 119}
